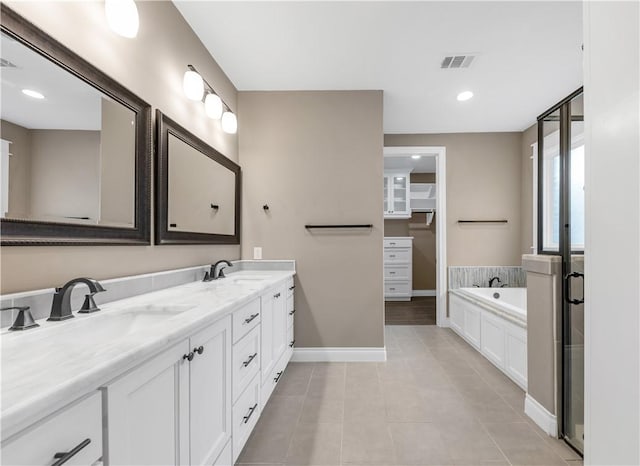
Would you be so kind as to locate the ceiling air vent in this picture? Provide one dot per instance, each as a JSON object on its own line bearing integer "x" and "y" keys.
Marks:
{"x": 457, "y": 61}
{"x": 6, "y": 64}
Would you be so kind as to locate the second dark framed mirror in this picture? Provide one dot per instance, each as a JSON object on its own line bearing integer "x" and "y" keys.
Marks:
{"x": 197, "y": 189}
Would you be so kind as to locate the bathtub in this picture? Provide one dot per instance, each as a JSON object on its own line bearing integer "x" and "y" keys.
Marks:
{"x": 510, "y": 301}
{"x": 494, "y": 322}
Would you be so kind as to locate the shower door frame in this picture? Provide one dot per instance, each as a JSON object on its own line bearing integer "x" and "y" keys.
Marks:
{"x": 564, "y": 246}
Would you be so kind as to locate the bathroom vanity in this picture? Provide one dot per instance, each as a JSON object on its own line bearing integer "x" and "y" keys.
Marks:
{"x": 177, "y": 376}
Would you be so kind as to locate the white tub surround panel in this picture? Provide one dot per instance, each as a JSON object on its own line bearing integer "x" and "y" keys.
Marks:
{"x": 147, "y": 338}
{"x": 496, "y": 327}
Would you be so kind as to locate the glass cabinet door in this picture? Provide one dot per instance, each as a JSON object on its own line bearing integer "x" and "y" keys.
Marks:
{"x": 386, "y": 195}
{"x": 399, "y": 194}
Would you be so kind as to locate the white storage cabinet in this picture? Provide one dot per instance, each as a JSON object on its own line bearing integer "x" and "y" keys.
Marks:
{"x": 398, "y": 265}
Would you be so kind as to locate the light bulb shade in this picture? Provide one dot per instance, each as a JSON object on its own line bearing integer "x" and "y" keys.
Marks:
{"x": 122, "y": 17}
{"x": 193, "y": 85}
{"x": 213, "y": 106}
{"x": 229, "y": 123}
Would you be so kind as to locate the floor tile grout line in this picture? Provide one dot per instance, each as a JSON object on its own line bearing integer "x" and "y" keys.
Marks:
{"x": 495, "y": 442}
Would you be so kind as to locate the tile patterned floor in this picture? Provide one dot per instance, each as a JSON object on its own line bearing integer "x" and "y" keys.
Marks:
{"x": 436, "y": 401}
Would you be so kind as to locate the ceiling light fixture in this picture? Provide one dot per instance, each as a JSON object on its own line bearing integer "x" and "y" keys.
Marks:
{"x": 466, "y": 95}
{"x": 31, "y": 93}
{"x": 122, "y": 17}
{"x": 195, "y": 87}
{"x": 416, "y": 157}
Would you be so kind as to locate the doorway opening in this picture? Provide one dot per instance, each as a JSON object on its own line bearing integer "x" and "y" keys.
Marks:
{"x": 414, "y": 248}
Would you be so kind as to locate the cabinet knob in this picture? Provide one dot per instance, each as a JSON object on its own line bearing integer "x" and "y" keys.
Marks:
{"x": 293, "y": 311}
{"x": 188, "y": 357}
{"x": 277, "y": 295}
{"x": 292, "y": 287}
{"x": 63, "y": 457}
{"x": 199, "y": 349}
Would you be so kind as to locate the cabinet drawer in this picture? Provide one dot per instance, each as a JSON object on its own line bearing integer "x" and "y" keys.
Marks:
{"x": 291, "y": 342}
{"x": 290, "y": 313}
{"x": 246, "y": 361}
{"x": 400, "y": 255}
{"x": 246, "y": 412}
{"x": 397, "y": 243}
{"x": 396, "y": 272}
{"x": 397, "y": 288}
{"x": 61, "y": 432}
{"x": 290, "y": 287}
{"x": 245, "y": 319}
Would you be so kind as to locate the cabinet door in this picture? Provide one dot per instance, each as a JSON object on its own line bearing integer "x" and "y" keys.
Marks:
{"x": 279, "y": 322}
{"x": 399, "y": 192}
{"x": 148, "y": 412}
{"x": 210, "y": 392}
{"x": 387, "y": 183}
{"x": 267, "y": 360}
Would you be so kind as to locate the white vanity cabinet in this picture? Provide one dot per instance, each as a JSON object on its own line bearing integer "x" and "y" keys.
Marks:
{"x": 396, "y": 194}
{"x": 176, "y": 408}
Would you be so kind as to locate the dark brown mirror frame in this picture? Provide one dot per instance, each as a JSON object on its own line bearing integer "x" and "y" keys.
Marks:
{"x": 17, "y": 232}
{"x": 164, "y": 127}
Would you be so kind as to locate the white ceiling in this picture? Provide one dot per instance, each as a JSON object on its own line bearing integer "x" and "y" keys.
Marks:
{"x": 529, "y": 55}
{"x": 69, "y": 102}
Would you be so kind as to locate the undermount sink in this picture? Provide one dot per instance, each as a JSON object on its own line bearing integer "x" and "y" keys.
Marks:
{"x": 247, "y": 279}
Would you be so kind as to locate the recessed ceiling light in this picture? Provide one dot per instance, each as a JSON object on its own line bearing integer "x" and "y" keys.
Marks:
{"x": 399, "y": 178}
{"x": 416, "y": 157}
{"x": 34, "y": 94}
{"x": 466, "y": 95}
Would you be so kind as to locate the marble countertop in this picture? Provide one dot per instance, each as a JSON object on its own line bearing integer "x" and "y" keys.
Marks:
{"x": 46, "y": 368}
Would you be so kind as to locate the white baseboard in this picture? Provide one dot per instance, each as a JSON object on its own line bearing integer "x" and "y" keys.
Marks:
{"x": 543, "y": 418}
{"x": 423, "y": 293}
{"x": 339, "y": 355}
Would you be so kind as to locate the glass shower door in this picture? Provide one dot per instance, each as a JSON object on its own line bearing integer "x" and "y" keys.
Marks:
{"x": 573, "y": 259}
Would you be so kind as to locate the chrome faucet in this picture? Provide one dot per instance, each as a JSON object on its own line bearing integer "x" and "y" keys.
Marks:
{"x": 61, "y": 305}
{"x": 216, "y": 272}
{"x": 493, "y": 279}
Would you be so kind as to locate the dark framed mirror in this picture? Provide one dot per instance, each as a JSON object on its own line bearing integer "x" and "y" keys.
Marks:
{"x": 76, "y": 147}
{"x": 197, "y": 189}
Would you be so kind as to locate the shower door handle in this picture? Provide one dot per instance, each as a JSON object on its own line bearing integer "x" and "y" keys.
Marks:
{"x": 567, "y": 287}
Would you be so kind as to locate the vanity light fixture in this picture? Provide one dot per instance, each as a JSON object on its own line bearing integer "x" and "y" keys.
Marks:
{"x": 229, "y": 123}
{"x": 195, "y": 87}
{"x": 122, "y": 17}
{"x": 466, "y": 95}
{"x": 416, "y": 157}
{"x": 213, "y": 106}
{"x": 32, "y": 93}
